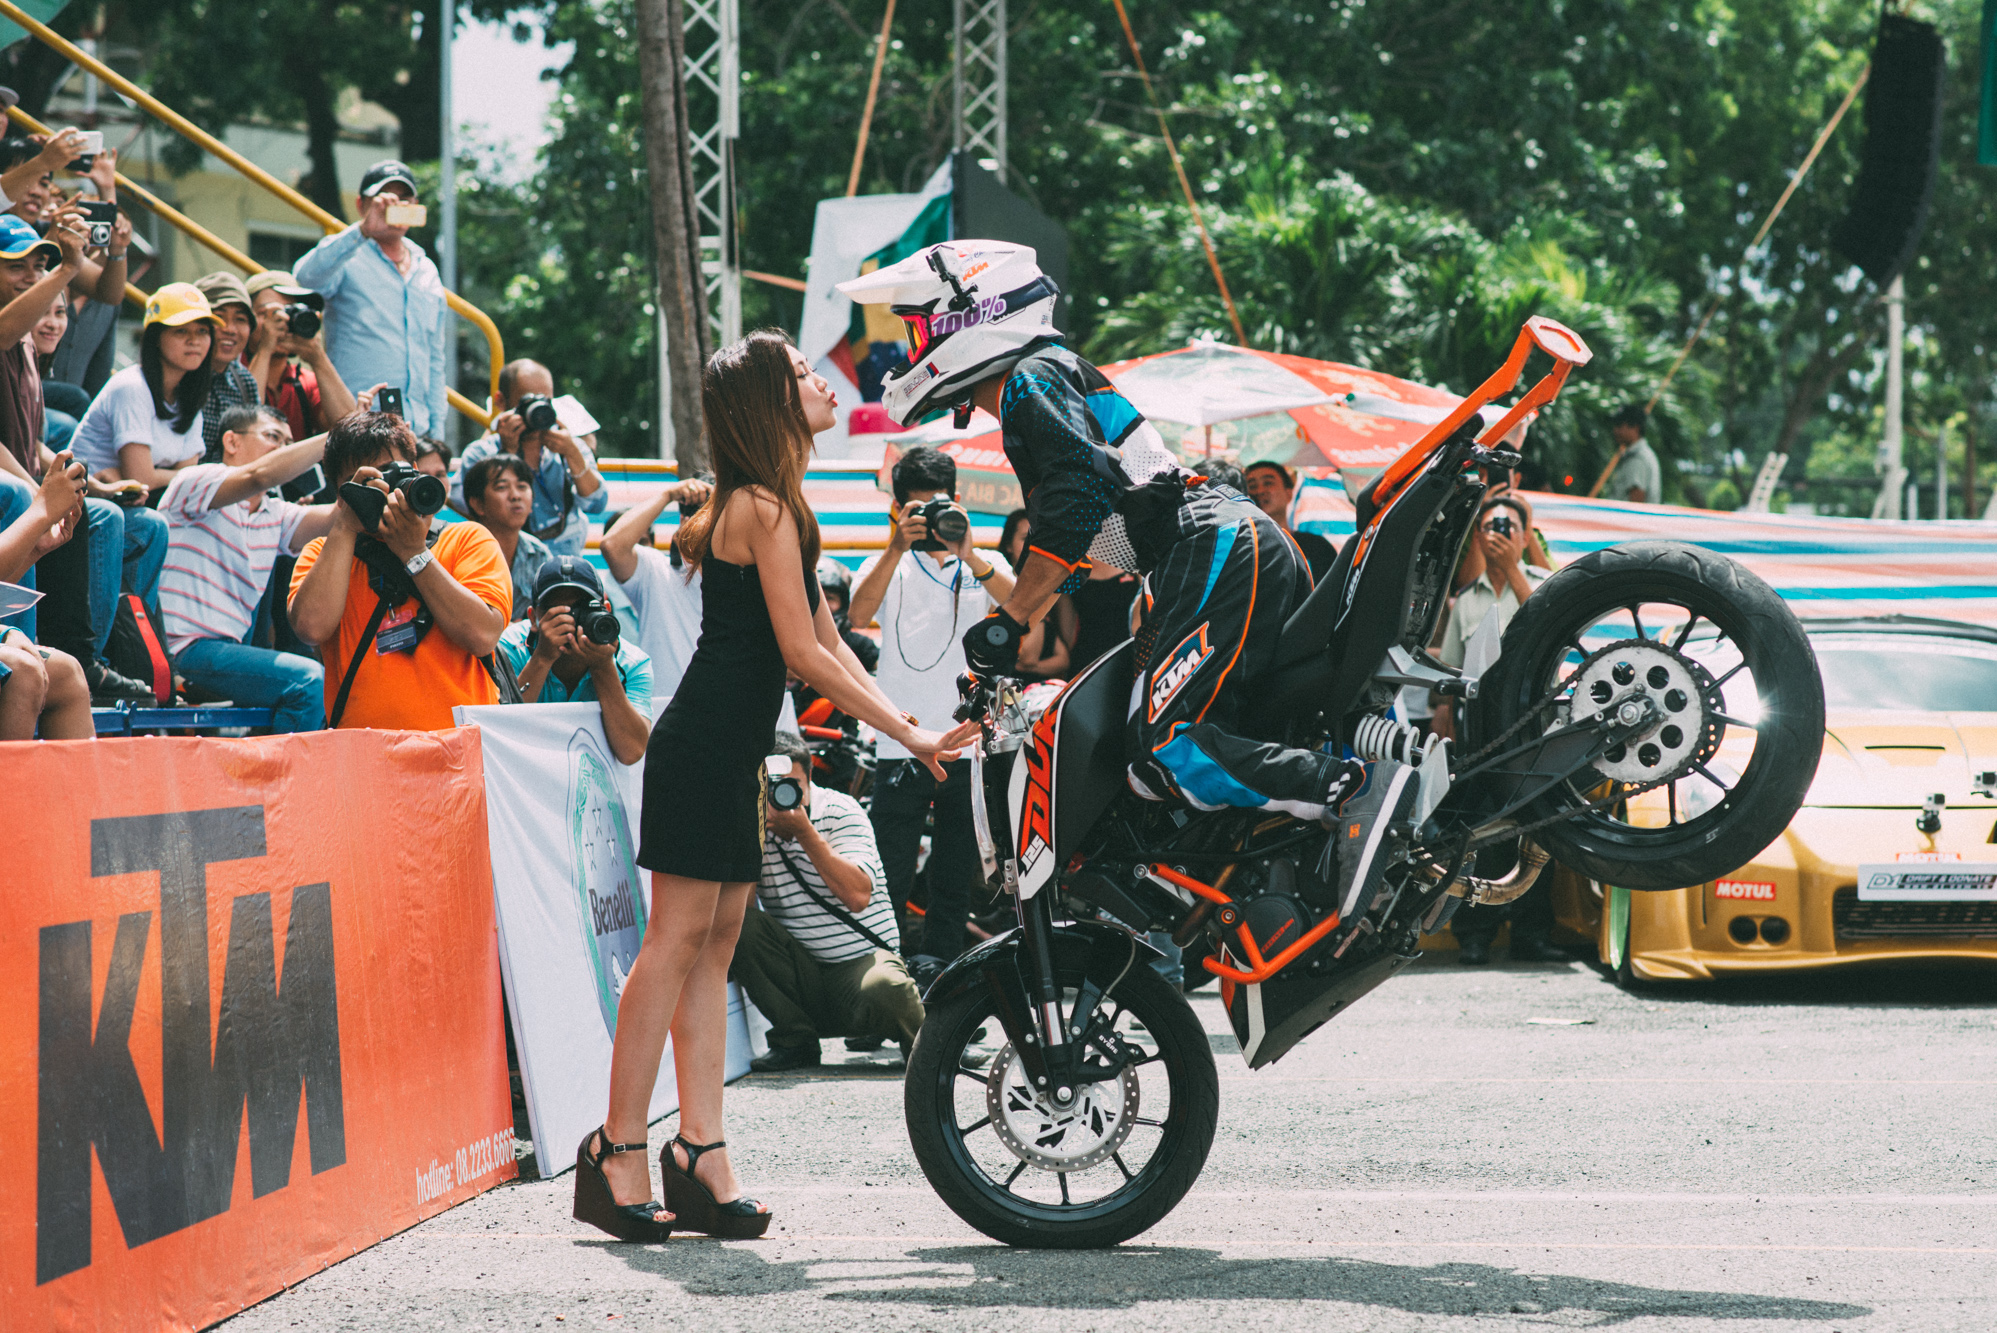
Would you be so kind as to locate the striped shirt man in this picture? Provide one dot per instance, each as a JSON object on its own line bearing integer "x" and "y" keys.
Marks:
{"x": 218, "y": 561}
{"x": 800, "y": 908}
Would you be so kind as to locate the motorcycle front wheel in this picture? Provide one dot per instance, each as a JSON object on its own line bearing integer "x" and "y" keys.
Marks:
{"x": 1028, "y": 1174}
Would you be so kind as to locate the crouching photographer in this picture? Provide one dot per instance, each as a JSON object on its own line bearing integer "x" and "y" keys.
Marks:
{"x": 822, "y": 957}
{"x": 570, "y": 650}
{"x": 406, "y": 623}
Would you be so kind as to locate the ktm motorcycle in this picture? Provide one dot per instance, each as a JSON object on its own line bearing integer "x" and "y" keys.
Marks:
{"x": 1653, "y": 718}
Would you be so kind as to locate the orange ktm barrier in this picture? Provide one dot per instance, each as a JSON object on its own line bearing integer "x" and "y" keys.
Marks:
{"x": 249, "y": 1016}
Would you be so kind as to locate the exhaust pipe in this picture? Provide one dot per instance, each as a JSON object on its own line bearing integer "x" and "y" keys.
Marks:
{"x": 1505, "y": 888}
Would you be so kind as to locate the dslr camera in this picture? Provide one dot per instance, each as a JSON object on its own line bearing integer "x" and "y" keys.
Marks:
{"x": 1501, "y": 525}
{"x": 945, "y": 523}
{"x": 595, "y": 620}
{"x": 421, "y": 491}
{"x": 301, "y": 320}
{"x": 786, "y": 792}
{"x": 537, "y": 412}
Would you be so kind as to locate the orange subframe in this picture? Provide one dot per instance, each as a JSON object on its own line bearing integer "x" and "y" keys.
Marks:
{"x": 1261, "y": 969}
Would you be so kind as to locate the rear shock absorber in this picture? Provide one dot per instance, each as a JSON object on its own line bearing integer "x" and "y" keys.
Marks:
{"x": 1380, "y": 737}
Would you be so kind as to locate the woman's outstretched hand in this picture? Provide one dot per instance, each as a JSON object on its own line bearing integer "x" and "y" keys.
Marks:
{"x": 936, "y": 749}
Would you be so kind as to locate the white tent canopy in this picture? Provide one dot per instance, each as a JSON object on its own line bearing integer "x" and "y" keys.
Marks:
{"x": 1211, "y": 383}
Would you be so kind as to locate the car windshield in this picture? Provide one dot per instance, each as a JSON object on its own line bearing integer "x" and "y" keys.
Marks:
{"x": 1936, "y": 676}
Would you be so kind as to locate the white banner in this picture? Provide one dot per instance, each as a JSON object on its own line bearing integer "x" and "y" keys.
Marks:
{"x": 562, "y": 817}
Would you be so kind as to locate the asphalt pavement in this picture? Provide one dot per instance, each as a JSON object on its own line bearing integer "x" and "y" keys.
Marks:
{"x": 1491, "y": 1149}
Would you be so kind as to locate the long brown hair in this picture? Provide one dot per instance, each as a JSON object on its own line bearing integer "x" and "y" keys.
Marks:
{"x": 756, "y": 425}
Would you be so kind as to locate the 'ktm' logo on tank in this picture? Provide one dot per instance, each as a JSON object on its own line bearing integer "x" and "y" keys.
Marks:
{"x": 1178, "y": 668}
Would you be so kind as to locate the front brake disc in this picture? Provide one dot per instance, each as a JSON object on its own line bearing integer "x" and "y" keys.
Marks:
{"x": 1072, "y": 1138}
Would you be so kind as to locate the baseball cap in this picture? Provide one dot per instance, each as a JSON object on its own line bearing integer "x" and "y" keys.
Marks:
{"x": 223, "y": 288}
{"x": 385, "y": 172}
{"x": 285, "y": 285}
{"x": 18, "y": 240}
{"x": 567, "y": 571}
{"x": 176, "y": 304}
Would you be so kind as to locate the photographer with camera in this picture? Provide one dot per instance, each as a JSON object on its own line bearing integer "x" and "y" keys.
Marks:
{"x": 822, "y": 958}
{"x": 925, "y": 590}
{"x": 402, "y": 618}
{"x": 225, "y": 534}
{"x": 569, "y": 650}
{"x": 567, "y": 487}
{"x": 287, "y": 353}
{"x": 386, "y": 314}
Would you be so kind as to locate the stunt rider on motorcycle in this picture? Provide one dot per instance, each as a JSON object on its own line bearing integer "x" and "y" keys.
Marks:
{"x": 1100, "y": 487}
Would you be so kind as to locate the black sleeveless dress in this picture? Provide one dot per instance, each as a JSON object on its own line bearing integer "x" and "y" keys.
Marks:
{"x": 704, "y": 776}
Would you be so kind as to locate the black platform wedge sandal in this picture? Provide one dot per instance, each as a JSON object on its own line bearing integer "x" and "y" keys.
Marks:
{"x": 596, "y": 1205}
{"x": 694, "y": 1205}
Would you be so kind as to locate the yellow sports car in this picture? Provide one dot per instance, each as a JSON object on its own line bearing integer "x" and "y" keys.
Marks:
{"x": 1894, "y": 853}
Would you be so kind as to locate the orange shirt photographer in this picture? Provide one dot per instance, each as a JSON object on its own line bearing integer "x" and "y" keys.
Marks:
{"x": 462, "y": 579}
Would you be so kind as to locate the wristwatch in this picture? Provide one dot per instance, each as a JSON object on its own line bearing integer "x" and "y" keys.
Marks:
{"x": 419, "y": 562}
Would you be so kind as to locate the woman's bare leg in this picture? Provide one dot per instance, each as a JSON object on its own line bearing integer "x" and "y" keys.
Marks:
{"x": 700, "y": 1044}
{"x": 676, "y": 936}
{"x": 66, "y": 710}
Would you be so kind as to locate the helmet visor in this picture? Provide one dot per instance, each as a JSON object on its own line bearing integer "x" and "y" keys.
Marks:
{"x": 917, "y": 327}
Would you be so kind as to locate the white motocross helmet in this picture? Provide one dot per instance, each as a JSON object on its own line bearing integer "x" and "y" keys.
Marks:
{"x": 972, "y": 310}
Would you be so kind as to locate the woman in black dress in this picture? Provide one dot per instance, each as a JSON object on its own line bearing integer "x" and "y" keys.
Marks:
{"x": 702, "y": 832}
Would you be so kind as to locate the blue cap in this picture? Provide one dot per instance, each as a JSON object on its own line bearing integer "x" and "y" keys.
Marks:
{"x": 18, "y": 239}
{"x": 567, "y": 571}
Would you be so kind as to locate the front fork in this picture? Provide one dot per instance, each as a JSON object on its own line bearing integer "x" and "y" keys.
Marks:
{"x": 1049, "y": 1052}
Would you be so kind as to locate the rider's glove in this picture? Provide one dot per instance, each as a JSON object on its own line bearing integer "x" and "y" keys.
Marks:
{"x": 991, "y": 647}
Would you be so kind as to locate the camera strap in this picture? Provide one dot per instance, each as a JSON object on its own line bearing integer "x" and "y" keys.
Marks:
{"x": 381, "y": 605}
{"x": 837, "y": 909}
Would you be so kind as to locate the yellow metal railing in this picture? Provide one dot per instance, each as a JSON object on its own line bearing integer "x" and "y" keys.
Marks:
{"x": 215, "y": 147}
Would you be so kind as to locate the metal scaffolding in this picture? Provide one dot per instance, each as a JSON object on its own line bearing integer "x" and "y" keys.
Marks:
{"x": 714, "y": 122}
{"x": 978, "y": 101}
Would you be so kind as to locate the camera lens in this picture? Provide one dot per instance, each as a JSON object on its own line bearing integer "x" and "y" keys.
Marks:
{"x": 537, "y": 412}
{"x": 786, "y": 793}
{"x": 426, "y": 494}
{"x": 302, "y": 320}
{"x": 950, "y": 525}
{"x": 597, "y": 622}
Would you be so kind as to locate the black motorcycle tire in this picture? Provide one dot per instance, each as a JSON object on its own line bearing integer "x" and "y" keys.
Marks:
{"x": 1790, "y": 737}
{"x": 928, "y": 1102}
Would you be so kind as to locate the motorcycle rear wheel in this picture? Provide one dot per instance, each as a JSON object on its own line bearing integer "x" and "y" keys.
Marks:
{"x": 1005, "y": 1183}
{"x": 1661, "y": 597}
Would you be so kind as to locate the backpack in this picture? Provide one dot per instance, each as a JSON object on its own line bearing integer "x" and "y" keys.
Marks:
{"x": 137, "y": 648}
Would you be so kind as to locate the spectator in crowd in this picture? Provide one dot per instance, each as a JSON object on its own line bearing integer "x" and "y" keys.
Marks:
{"x": 924, "y": 600}
{"x": 231, "y": 384}
{"x": 421, "y": 656}
{"x": 433, "y": 457}
{"x": 664, "y": 595}
{"x": 58, "y": 423}
{"x": 385, "y": 309}
{"x": 1273, "y": 488}
{"x": 835, "y": 581}
{"x": 1044, "y": 651}
{"x": 83, "y": 360}
{"x": 41, "y": 689}
{"x": 226, "y": 534}
{"x": 567, "y": 486}
{"x": 556, "y": 662}
{"x": 147, "y": 423}
{"x": 1637, "y": 477}
{"x": 822, "y": 958}
{"x": 80, "y": 579}
{"x": 499, "y": 492}
{"x": 311, "y": 395}
{"x": 1469, "y": 641}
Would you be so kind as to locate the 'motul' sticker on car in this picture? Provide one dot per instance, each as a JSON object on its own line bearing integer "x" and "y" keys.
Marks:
{"x": 1961, "y": 882}
{"x": 1754, "y": 890}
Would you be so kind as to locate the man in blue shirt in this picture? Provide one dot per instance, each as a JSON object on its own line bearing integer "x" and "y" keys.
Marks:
{"x": 567, "y": 486}
{"x": 555, "y": 661}
{"x": 385, "y": 308}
